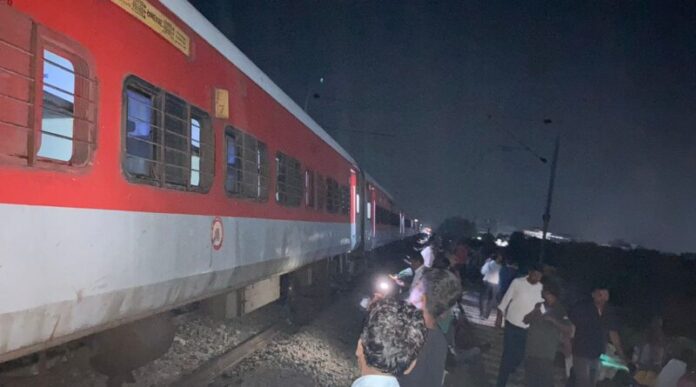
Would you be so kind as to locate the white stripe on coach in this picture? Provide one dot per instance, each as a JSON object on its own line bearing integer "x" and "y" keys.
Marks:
{"x": 63, "y": 270}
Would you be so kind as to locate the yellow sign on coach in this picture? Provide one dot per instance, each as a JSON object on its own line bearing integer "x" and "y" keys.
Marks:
{"x": 222, "y": 103}
{"x": 159, "y": 23}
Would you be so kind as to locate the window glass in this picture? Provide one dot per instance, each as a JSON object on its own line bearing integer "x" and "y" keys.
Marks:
{"x": 176, "y": 143}
{"x": 321, "y": 192}
{"x": 262, "y": 160}
{"x": 47, "y": 119}
{"x": 309, "y": 188}
{"x": 195, "y": 152}
{"x": 247, "y": 166}
{"x": 345, "y": 200}
{"x": 170, "y": 146}
{"x": 233, "y": 173}
{"x": 140, "y": 134}
{"x": 289, "y": 185}
{"x": 57, "y": 118}
{"x": 381, "y": 215}
{"x": 333, "y": 196}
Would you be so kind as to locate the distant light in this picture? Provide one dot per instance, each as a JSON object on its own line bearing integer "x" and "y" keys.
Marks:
{"x": 479, "y": 238}
{"x": 321, "y": 80}
{"x": 501, "y": 243}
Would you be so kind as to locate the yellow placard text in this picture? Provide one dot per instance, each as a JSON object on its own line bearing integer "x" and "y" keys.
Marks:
{"x": 222, "y": 103}
{"x": 153, "y": 18}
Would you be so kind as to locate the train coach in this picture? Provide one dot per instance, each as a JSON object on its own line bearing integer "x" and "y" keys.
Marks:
{"x": 146, "y": 164}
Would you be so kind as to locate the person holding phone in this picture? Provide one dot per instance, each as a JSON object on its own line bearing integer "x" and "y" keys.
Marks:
{"x": 548, "y": 324}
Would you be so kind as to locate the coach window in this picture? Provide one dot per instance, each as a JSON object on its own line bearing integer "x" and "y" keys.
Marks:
{"x": 321, "y": 192}
{"x": 309, "y": 188}
{"x": 58, "y": 108}
{"x": 246, "y": 166}
{"x": 195, "y": 152}
{"x": 47, "y": 97}
{"x": 288, "y": 180}
{"x": 345, "y": 200}
{"x": 176, "y": 141}
{"x": 168, "y": 142}
{"x": 380, "y": 215}
{"x": 333, "y": 196}
{"x": 141, "y": 143}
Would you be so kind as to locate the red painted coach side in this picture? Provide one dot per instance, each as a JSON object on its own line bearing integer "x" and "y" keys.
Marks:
{"x": 120, "y": 45}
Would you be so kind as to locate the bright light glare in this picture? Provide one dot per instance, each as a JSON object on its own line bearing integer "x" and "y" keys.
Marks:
{"x": 501, "y": 242}
{"x": 383, "y": 285}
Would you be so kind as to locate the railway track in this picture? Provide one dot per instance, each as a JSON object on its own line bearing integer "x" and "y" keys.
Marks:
{"x": 308, "y": 307}
{"x": 210, "y": 370}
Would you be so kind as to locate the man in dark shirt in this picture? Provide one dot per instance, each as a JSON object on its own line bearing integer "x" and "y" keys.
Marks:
{"x": 548, "y": 323}
{"x": 595, "y": 325}
{"x": 507, "y": 274}
{"x": 439, "y": 290}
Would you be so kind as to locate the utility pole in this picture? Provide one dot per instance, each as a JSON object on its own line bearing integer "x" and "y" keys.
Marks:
{"x": 549, "y": 197}
{"x": 314, "y": 95}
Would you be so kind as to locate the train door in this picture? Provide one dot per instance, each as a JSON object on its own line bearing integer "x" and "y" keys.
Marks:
{"x": 354, "y": 209}
{"x": 372, "y": 216}
{"x": 402, "y": 224}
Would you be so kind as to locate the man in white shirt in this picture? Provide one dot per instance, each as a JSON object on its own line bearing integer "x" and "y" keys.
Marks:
{"x": 491, "y": 282}
{"x": 428, "y": 254}
{"x": 519, "y": 300}
{"x": 393, "y": 336}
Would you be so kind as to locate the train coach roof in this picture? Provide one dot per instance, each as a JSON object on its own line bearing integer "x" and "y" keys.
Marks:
{"x": 198, "y": 23}
{"x": 374, "y": 182}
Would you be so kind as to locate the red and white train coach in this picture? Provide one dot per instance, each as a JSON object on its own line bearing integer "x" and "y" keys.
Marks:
{"x": 146, "y": 163}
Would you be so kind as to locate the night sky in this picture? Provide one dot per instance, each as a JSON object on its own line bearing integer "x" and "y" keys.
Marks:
{"x": 446, "y": 88}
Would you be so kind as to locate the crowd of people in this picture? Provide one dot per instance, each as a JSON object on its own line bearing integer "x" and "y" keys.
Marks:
{"x": 411, "y": 340}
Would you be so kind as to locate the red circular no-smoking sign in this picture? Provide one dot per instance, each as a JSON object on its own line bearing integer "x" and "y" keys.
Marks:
{"x": 217, "y": 233}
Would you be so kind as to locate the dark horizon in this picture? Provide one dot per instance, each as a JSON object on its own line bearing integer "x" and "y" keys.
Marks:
{"x": 432, "y": 98}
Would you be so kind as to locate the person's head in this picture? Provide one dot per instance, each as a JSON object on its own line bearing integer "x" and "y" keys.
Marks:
{"x": 551, "y": 292}
{"x": 535, "y": 274}
{"x": 600, "y": 294}
{"x": 499, "y": 257}
{"x": 440, "y": 262}
{"x": 440, "y": 291}
{"x": 391, "y": 339}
